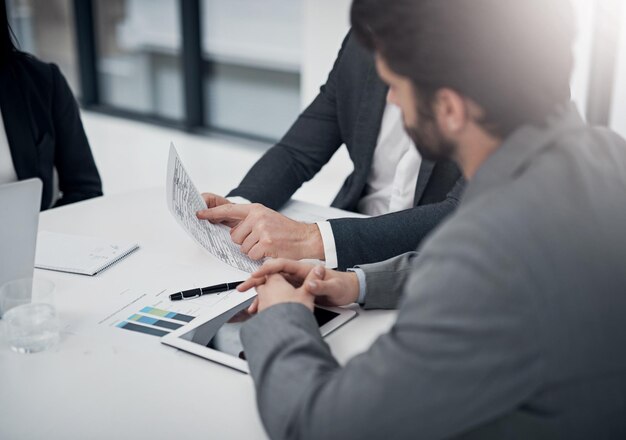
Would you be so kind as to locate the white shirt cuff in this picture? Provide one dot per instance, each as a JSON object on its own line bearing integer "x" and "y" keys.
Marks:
{"x": 360, "y": 275}
{"x": 328, "y": 240}
{"x": 237, "y": 199}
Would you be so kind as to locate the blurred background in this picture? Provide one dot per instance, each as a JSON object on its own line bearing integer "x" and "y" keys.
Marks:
{"x": 235, "y": 73}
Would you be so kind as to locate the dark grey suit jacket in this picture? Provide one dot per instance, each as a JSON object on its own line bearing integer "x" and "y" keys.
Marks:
{"x": 512, "y": 325}
{"x": 43, "y": 126}
{"x": 349, "y": 111}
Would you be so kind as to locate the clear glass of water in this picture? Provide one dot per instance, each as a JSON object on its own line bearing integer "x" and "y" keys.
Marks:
{"x": 28, "y": 311}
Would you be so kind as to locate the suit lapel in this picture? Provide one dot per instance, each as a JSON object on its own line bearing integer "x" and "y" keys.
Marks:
{"x": 17, "y": 125}
{"x": 426, "y": 170}
{"x": 367, "y": 127}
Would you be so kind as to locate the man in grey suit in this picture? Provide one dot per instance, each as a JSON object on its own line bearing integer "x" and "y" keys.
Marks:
{"x": 513, "y": 324}
{"x": 406, "y": 196}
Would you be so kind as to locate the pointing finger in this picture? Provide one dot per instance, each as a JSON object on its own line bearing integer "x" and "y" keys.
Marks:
{"x": 250, "y": 283}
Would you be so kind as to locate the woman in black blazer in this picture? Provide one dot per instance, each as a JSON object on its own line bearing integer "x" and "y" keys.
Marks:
{"x": 43, "y": 126}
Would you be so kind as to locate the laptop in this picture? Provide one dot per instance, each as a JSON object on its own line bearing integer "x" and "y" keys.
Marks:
{"x": 19, "y": 218}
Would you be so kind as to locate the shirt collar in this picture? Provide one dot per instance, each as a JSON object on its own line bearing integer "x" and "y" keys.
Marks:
{"x": 520, "y": 148}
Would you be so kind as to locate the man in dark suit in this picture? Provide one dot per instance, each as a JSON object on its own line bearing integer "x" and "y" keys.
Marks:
{"x": 40, "y": 128}
{"x": 407, "y": 196}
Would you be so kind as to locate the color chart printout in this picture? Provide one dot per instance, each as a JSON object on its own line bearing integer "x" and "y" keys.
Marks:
{"x": 154, "y": 321}
{"x": 151, "y": 312}
{"x": 183, "y": 201}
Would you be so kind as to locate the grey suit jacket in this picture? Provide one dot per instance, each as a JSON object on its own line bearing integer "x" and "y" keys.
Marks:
{"x": 349, "y": 110}
{"x": 512, "y": 325}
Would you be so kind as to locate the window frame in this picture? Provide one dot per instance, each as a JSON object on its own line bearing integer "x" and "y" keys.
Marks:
{"x": 192, "y": 63}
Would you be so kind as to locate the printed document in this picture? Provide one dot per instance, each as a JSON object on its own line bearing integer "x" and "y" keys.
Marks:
{"x": 184, "y": 200}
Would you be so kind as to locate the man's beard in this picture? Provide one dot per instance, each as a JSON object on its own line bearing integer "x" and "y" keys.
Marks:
{"x": 430, "y": 143}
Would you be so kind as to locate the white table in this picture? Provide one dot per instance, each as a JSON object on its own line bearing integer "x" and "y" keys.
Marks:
{"x": 121, "y": 385}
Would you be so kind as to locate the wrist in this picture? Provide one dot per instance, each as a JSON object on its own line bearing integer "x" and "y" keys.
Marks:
{"x": 354, "y": 287}
{"x": 314, "y": 246}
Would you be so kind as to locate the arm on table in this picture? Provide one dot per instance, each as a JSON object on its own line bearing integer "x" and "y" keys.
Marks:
{"x": 462, "y": 352}
{"x": 367, "y": 240}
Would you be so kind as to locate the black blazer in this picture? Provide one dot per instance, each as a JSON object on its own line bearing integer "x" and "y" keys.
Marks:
{"x": 43, "y": 126}
{"x": 349, "y": 110}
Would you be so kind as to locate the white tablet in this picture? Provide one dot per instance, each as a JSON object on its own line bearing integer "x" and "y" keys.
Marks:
{"x": 215, "y": 335}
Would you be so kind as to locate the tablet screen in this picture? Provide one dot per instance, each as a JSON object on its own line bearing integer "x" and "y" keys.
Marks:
{"x": 222, "y": 332}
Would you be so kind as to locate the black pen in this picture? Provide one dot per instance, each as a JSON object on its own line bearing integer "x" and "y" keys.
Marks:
{"x": 194, "y": 293}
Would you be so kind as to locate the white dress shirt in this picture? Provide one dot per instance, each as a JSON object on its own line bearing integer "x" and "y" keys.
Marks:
{"x": 391, "y": 183}
{"x": 7, "y": 170}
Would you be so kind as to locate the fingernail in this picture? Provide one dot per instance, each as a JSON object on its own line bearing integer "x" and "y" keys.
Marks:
{"x": 319, "y": 271}
{"x": 312, "y": 285}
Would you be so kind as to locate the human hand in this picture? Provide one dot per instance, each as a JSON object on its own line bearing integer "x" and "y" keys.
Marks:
{"x": 277, "y": 290}
{"x": 213, "y": 201}
{"x": 329, "y": 287}
{"x": 263, "y": 232}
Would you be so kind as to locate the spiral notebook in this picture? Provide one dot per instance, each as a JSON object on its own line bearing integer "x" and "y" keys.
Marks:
{"x": 78, "y": 254}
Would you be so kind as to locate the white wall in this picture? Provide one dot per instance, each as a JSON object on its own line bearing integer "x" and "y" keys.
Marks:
{"x": 324, "y": 24}
{"x": 618, "y": 116}
{"x": 582, "y": 52}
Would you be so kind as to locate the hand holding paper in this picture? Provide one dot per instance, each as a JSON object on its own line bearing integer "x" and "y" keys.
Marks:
{"x": 263, "y": 232}
{"x": 183, "y": 201}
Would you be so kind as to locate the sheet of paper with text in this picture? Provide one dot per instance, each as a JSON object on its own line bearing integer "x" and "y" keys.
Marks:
{"x": 184, "y": 200}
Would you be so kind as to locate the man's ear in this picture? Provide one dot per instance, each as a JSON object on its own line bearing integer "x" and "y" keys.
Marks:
{"x": 450, "y": 112}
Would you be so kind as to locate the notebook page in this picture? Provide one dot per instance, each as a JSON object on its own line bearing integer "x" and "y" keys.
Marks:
{"x": 78, "y": 254}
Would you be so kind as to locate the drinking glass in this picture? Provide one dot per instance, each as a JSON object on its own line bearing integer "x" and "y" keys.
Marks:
{"x": 28, "y": 311}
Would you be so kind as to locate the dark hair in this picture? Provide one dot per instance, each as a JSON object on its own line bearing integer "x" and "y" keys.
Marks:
{"x": 7, "y": 46}
{"x": 512, "y": 57}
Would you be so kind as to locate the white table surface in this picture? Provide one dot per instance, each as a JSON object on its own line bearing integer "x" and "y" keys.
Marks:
{"x": 117, "y": 384}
